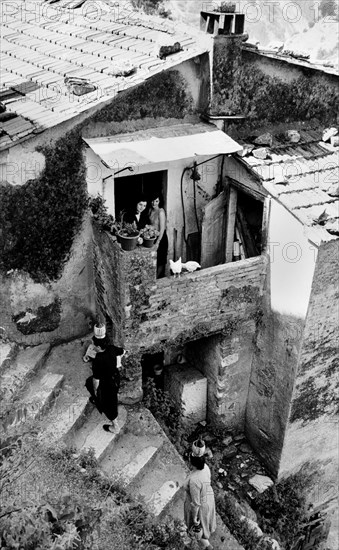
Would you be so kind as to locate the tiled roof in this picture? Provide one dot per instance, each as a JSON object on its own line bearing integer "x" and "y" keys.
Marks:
{"x": 109, "y": 45}
{"x": 303, "y": 176}
{"x": 293, "y": 60}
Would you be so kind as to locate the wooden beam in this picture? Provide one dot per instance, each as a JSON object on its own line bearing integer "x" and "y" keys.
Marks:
{"x": 230, "y": 222}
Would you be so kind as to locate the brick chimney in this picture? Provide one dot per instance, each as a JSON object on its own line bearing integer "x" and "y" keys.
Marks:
{"x": 227, "y": 28}
{"x": 222, "y": 23}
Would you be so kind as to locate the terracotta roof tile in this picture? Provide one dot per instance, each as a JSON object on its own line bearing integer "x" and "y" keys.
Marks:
{"x": 51, "y": 41}
{"x": 300, "y": 176}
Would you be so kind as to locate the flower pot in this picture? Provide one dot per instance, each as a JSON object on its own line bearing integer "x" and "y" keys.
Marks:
{"x": 128, "y": 243}
{"x": 148, "y": 243}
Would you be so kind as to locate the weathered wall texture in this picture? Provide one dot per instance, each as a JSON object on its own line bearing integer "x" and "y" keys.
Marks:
{"x": 311, "y": 441}
{"x": 272, "y": 378}
{"x": 195, "y": 305}
{"x": 108, "y": 283}
{"x": 268, "y": 90}
{"x": 163, "y": 314}
{"x": 58, "y": 311}
{"x": 226, "y": 361}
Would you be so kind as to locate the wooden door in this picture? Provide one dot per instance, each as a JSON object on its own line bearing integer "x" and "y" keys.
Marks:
{"x": 213, "y": 232}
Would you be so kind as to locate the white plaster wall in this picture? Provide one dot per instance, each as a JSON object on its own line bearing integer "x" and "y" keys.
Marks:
{"x": 100, "y": 179}
{"x": 293, "y": 259}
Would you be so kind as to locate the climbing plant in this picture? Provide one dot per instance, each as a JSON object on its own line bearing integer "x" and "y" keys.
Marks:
{"x": 152, "y": 7}
{"x": 165, "y": 95}
{"x": 241, "y": 88}
{"x": 40, "y": 218}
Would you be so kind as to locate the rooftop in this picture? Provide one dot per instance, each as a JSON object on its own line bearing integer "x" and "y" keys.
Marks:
{"x": 301, "y": 170}
{"x": 164, "y": 144}
{"x": 60, "y": 58}
{"x": 293, "y": 59}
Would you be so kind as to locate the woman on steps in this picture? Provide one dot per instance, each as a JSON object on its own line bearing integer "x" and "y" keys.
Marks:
{"x": 104, "y": 384}
{"x": 199, "y": 508}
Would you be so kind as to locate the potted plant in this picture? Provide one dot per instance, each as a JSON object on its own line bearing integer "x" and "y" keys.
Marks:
{"x": 127, "y": 235}
{"x": 100, "y": 215}
{"x": 149, "y": 235}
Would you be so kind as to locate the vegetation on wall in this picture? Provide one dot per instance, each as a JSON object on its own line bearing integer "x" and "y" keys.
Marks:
{"x": 241, "y": 88}
{"x": 152, "y": 7}
{"x": 165, "y": 95}
{"x": 283, "y": 512}
{"x": 40, "y": 218}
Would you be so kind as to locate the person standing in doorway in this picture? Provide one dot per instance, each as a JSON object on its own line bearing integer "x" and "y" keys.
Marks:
{"x": 104, "y": 384}
{"x": 157, "y": 217}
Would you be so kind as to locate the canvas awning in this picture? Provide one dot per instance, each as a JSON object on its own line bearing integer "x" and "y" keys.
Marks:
{"x": 161, "y": 145}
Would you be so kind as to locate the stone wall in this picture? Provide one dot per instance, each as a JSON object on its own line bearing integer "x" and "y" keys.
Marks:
{"x": 273, "y": 373}
{"x": 311, "y": 442}
{"x": 107, "y": 261}
{"x": 266, "y": 90}
{"x": 57, "y": 311}
{"x": 226, "y": 361}
{"x": 175, "y": 311}
{"x": 150, "y": 315}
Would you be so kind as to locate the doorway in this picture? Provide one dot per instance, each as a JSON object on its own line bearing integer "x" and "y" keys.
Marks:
{"x": 129, "y": 188}
{"x": 152, "y": 368}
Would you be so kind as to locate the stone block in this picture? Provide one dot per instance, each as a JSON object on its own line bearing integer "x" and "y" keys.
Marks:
{"x": 188, "y": 387}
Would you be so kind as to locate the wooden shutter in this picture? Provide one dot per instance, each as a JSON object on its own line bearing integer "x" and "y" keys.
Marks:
{"x": 213, "y": 232}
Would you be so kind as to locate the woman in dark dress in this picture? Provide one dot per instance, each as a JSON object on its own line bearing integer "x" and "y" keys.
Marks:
{"x": 137, "y": 214}
{"x": 157, "y": 217}
{"x": 105, "y": 383}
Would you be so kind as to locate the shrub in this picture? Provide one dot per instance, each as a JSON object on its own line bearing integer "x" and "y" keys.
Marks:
{"x": 48, "y": 212}
{"x": 167, "y": 412}
{"x": 282, "y": 510}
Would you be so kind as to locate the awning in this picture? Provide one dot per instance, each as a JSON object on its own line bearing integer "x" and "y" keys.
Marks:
{"x": 159, "y": 145}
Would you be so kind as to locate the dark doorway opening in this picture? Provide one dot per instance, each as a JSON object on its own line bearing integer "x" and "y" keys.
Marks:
{"x": 153, "y": 367}
{"x": 128, "y": 188}
{"x": 248, "y": 226}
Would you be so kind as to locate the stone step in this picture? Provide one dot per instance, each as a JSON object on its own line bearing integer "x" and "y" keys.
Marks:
{"x": 137, "y": 465}
{"x": 67, "y": 415}
{"x": 162, "y": 497}
{"x": 136, "y": 448}
{"x": 22, "y": 368}
{"x": 36, "y": 400}
{"x": 7, "y": 351}
{"x": 92, "y": 435}
{"x": 41, "y": 393}
{"x": 162, "y": 483}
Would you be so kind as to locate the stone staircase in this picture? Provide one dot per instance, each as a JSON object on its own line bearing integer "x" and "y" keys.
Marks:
{"x": 48, "y": 385}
